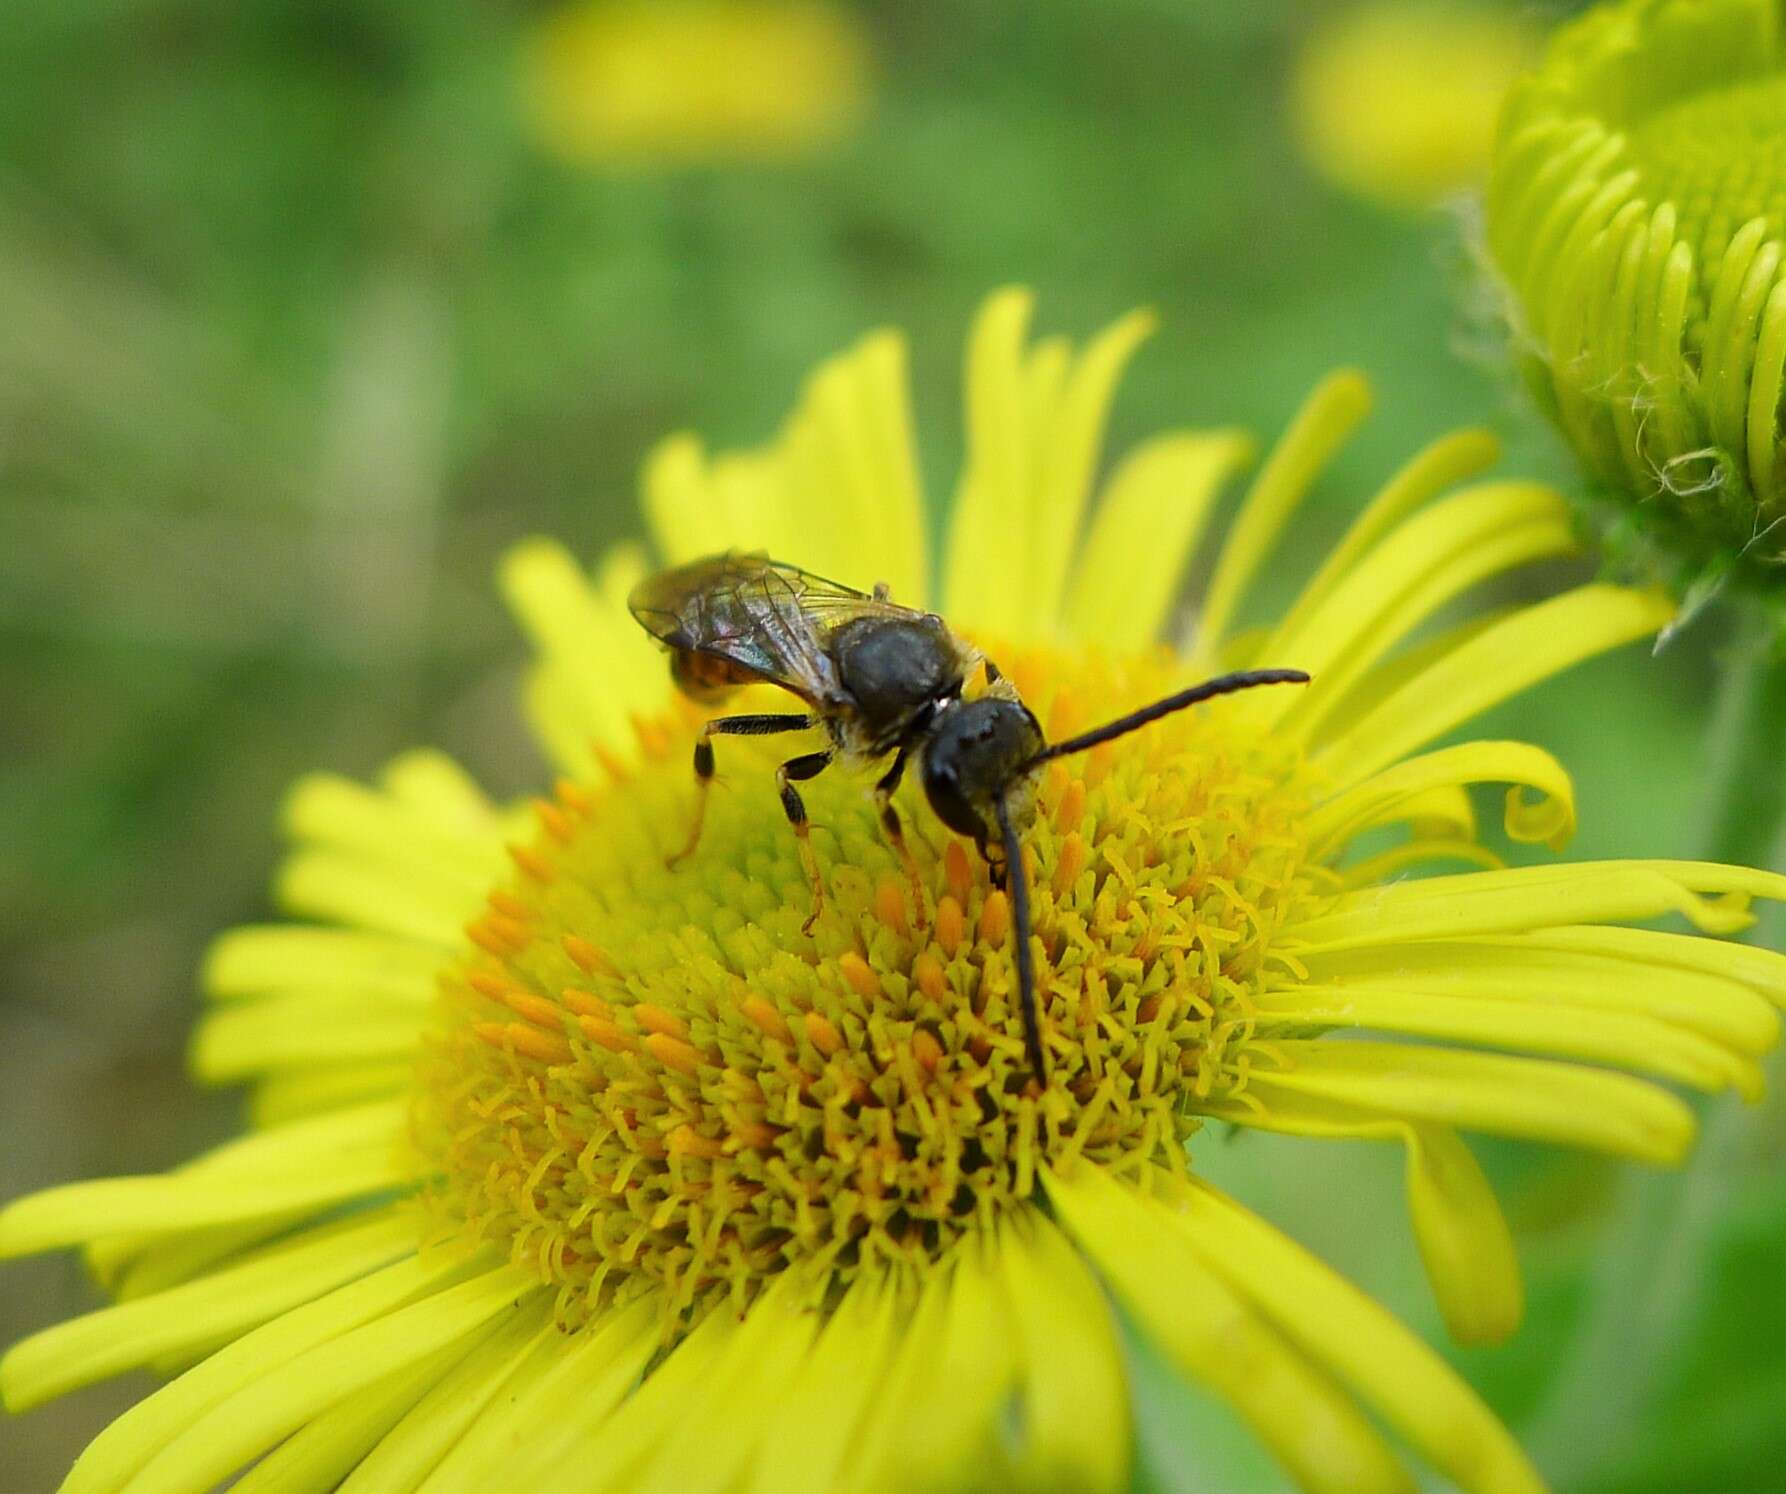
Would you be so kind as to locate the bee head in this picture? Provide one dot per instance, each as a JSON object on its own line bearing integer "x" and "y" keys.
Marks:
{"x": 978, "y": 752}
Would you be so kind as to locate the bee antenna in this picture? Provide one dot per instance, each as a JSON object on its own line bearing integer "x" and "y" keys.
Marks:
{"x": 1026, "y": 965}
{"x": 1222, "y": 684}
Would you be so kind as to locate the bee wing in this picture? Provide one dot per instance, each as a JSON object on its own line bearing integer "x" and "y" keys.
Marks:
{"x": 771, "y": 619}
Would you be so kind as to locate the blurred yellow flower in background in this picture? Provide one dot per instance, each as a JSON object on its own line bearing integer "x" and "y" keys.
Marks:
{"x": 1396, "y": 101}
{"x": 669, "y": 81}
{"x": 1637, "y": 211}
{"x": 573, "y": 1171}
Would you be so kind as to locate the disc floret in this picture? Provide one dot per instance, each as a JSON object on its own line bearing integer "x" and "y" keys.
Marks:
{"x": 647, "y": 1078}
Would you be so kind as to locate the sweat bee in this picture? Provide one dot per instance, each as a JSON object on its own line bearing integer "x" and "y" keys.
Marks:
{"x": 882, "y": 680}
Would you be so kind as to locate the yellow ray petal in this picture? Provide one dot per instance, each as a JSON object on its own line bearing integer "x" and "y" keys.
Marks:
{"x": 1071, "y": 438}
{"x": 1414, "y": 1390}
{"x": 255, "y": 1417}
{"x": 1075, "y": 1421}
{"x": 1540, "y": 1101}
{"x": 432, "y": 784}
{"x": 260, "y": 959}
{"x": 454, "y": 1400}
{"x": 1342, "y": 710}
{"x": 287, "y": 1031}
{"x": 448, "y": 862}
{"x": 213, "y": 1309}
{"x": 1388, "y": 866}
{"x": 991, "y": 502}
{"x": 851, "y": 471}
{"x": 325, "y": 1450}
{"x": 953, "y": 1419}
{"x": 1762, "y": 969}
{"x": 1518, "y": 898}
{"x": 1621, "y": 1039}
{"x": 118, "y": 1453}
{"x": 1447, "y": 461}
{"x": 809, "y": 1439}
{"x": 550, "y": 1412}
{"x": 1422, "y": 567}
{"x": 77, "y": 1212}
{"x": 1376, "y": 800}
{"x": 597, "y": 667}
{"x": 298, "y": 1094}
{"x": 1146, "y": 526}
{"x": 876, "y": 1460}
{"x": 1500, "y": 661}
{"x": 1324, "y": 423}
{"x": 341, "y": 888}
{"x": 1463, "y": 1237}
{"x": 1213, "y": 1337}
{"x": 1673, "y": 978}
{"x": 737, "y": 1392}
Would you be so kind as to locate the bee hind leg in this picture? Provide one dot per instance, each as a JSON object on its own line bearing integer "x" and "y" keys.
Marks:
{"x": 798, "y": 770}
{"x": 736, "y": 726}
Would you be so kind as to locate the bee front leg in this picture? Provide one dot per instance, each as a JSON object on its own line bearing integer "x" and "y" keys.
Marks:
{"x": 895, "y": 832}
{"x": 798, "y": 770}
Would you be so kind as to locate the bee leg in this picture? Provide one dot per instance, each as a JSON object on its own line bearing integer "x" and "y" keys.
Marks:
{"x": 895, "y": 832}
{"x": 798, "y": 770}
{"x": 737, "y": 726}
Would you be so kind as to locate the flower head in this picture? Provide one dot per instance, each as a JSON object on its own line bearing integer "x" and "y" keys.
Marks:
{"x": 1395, "y": 100}
{"x": 632, "y": 81}
{"x": 553, "y": 1138}
{"x": 1636, "y": 209}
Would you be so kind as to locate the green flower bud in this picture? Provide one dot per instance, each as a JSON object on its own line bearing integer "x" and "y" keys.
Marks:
{"x": 1636, "y": 208}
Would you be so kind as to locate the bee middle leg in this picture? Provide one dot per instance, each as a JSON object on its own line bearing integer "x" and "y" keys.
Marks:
{"x": 895, "y": 833}
{"x": 736, "y": 726}
{"x": 798, "y": 770}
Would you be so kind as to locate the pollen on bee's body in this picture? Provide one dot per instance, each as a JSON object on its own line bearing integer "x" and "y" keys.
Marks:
{"x": 747, "y": 1100}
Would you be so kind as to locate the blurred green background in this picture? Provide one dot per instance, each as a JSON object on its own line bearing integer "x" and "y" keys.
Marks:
{"x": 301, "y": 324}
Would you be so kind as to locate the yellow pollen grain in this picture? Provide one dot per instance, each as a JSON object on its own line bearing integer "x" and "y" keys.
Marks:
{"x": 956, "y": 870}
{"x": 558, "y": 824}
{"x": 655, "y": 1018}
{"x": 855, "y": 970}
{"x": 572, "y": 797}
{"x": 585, "y": 1005}
{"x": 489, "y": 934}
{"x": 685, "y": 1141}
{"x": 951, "y": 924}
{"x": 889, "y": 903}
{"x": 586, "y": 957}
{"x": 1064, "y": 715}
{"x": 674, "y": 1053}
{"x": 510, "y": 906}
{"x": 532, "y": 864}
{"x": 765, "y": 1017}
{"x": 995, "y": 919}
{"x": 612, "y": 763}
{"x": 1070, "y": 810}
{"x": 527, "y": 1041}
{"x": 928, "y": 972}
{"x": 824, "y": 1034}
{"x": 1073, "y": 858}
{"x": 754, "y": 1136}
{"x": 612, "y": 1037}
{"x": 927, "y": 1050}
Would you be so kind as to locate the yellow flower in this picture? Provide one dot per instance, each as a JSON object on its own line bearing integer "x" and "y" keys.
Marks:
{"x": 1396, "y": 100}
{"x": 572, "y": 1171}
{"x": 632, "y": 81}
{"x": 1635, "y": 209}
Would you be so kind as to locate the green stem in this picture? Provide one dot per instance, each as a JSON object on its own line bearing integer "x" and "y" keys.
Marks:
{"x": 1646, "y": 1292}
{"x": 1749, "y": 811}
